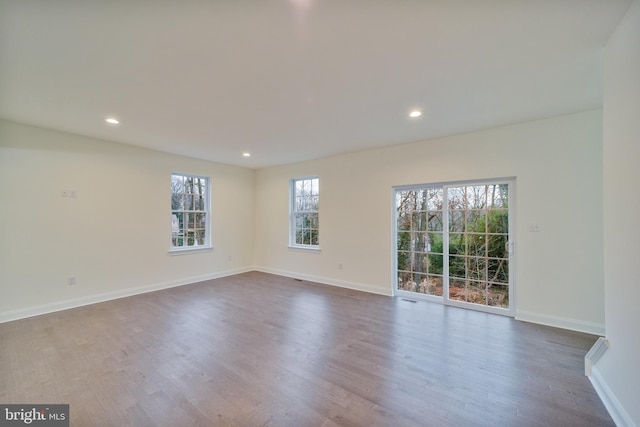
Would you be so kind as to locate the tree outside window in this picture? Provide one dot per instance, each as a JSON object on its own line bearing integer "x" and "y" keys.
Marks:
{"x": 305, "y": 194}
{"x": 189, "y": 211}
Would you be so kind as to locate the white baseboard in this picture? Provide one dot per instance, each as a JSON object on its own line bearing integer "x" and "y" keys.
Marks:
{"x": 617, "y": 412}
{"x": 561, "y": 322}
{"x": 9, "y": 316}
{"x": 594, "y": 354}
{"x": 326, "y": 281}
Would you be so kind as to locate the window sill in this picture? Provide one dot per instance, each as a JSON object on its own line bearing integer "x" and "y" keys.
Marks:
{"x": 313, "y": 249}
{"x": 191, "y": 250}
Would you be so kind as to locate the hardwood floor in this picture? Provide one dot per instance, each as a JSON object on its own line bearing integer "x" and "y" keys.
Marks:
{"x": 263, "y": 350}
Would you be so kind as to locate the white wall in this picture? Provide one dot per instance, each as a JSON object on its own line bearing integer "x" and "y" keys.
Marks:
{"x": 114, "y": 237}
{"x": 115, "y": 251}
{"x": 558, "y": 166}
{"x": 617, "y": 374}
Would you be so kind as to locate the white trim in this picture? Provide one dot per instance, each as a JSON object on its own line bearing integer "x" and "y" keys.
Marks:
{"x": 561, "y": 322}
{"x": 190, "y": 250}
{"x": 9, "y": 316}
{"x": 597, "y": 351}
{"x": 479, "y": 307}
{"x": 417, "y": 296}
{"x": 617, "y": 412}
{"x": 301, "y": 248}
{"x": 326, "y": 281}
{"x": 500, "y": 180}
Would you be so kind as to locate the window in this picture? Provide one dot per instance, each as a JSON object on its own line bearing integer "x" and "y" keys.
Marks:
{"x": 453, "y": 244}
{"x": 304, "y": 212}
{"x": 189, "y": 212}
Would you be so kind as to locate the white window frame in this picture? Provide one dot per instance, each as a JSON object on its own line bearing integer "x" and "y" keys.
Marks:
{"x": 294, "y": 212}
{"x": 175, "y": 233}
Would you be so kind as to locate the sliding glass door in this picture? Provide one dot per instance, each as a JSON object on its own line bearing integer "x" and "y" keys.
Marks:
{"x": 453, "y": 244}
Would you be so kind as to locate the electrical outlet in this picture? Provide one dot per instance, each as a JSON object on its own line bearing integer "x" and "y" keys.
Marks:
{"x": 64, "y": 193}
{"x": 71, "y": 280}
{"x": 534, "y": 228}
{"x": 73, "y": 194}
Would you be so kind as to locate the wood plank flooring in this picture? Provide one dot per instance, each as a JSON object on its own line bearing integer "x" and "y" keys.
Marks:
{"x": 263, "y": 350}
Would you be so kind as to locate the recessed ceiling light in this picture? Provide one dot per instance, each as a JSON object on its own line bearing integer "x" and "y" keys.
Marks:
{"x": 112, "y": 121}
{"x": 245, "y": 154}
{"x": 415, "y": 113}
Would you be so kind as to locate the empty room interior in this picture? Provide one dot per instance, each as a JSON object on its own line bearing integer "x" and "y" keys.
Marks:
{"x": 320, "y": 213}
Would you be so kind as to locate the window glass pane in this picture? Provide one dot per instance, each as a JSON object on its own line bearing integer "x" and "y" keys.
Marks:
{"x": 434, "y": 199}
{"x": 498, "y": 295}
{"x": 498, "y": 196}
{"x": 497, "y": 247}
{"x": 404, "y": 222}
{"x": 476, "y": 221}
{"x": 177, "y": 226}
{"x": 404, "y": 241}
{"x": 435, "y": 263}
{"x": 498, "y": 221}
{"x": 476, "y": 197}
{"x": 418, "y": 242}
{"x": 498, "y": 270}
{"x": 435, "y": 221}
{"x": 200, "y": 220}
{"x": 403, "y": 260}
{"x": 476, "y": 245}
{"x": 477, "y": 268}
{"x": 419, "y": 221}
{"x": 405, "y": 278}
{"x": 457, "y": 267}
{"x": 199, "y": 237}
{"x": 457, "y": 243}
{"x": 434, "y": 242}
{"x": 457, "y": 199}
{"x": 434, "y": 285}
{"x": 419, "y": 262}
{"x": 416, "y": 283}
{"x": 314, "y": 221}
{"x": 456, "y": 221}
{"x": 457, "y": 290}
{"x": 477, "y": 292}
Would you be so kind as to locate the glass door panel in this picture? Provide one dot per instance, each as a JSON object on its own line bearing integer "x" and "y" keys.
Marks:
{"x": 420, "y": 241}
{"x": 478, "y": 244}
{"x": 453, "y": 243}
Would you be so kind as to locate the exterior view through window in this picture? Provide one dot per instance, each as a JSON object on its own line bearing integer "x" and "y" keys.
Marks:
{"x": 304, "y": 221}
{"x": 189, "y": 211}
{"x": 453, "y": 244}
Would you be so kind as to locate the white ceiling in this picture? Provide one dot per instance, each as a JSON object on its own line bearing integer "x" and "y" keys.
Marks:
{"x": 290, "y": 80}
